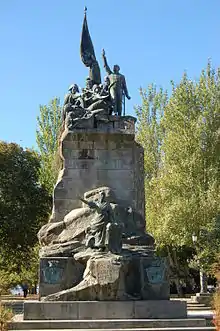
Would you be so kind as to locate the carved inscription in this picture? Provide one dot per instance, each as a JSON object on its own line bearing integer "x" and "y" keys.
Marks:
{"x": 98, "y": 164}
{"x": 86, "y": 154}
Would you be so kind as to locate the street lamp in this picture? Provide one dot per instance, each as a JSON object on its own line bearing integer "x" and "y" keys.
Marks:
{"x": 194, "y": 238}
{"x": 202, "y": 275}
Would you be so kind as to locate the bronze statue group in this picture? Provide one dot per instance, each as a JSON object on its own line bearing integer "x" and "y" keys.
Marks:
{"x": 96, "y": 98}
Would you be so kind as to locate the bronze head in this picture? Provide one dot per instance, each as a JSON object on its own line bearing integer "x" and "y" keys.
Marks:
{"x": 116, "y": 68}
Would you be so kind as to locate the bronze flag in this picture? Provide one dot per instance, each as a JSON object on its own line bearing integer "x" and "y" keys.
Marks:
{"x": 87, "y": 53}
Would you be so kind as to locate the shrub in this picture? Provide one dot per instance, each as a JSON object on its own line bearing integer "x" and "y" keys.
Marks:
{"x": 5, "y": 317}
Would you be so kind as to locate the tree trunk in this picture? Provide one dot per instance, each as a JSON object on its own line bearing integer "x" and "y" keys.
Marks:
{"x": 203, "y": 281}
{"x": 35, "y": 288}
{"x": 174, "y": 264}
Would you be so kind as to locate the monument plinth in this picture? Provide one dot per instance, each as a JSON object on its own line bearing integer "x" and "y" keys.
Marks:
{"x": 104, "y": 159}
{"x": 95, "y": 253}
{"x": 103, "y": 156}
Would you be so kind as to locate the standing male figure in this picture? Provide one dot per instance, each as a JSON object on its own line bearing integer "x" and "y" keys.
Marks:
{"x": 117, "y": 87}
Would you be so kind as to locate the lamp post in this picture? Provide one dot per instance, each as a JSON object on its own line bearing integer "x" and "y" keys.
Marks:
{"x": 194, "y": 238}
{"x": 202, "y": 275}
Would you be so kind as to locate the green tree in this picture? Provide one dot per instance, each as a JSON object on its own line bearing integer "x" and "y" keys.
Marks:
{"x": 47, "y": 136}
{"x": 150, "y": 132}
{"x": 19, "y": 269}
{"x": 183, "y": 192}
{"x": 30, "y": 268}
{"x": 187, "y": 185}
{"x": 24, "y": 204}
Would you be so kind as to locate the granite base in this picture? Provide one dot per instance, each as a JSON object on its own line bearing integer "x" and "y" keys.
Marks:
{"x": 92, "y": 310}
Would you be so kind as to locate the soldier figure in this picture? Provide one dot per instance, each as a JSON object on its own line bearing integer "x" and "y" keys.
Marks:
{"x": 117, "y": 86}
{"x": 72, "y": 100}
{"x": 103, "y": 232}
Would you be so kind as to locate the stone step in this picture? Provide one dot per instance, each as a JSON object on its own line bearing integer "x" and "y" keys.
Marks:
{"x": 107, "y": 324}
{"x": 195, "y": 304}
{"x": 198, "y": 308}
{"x": 204, "y": 328}
{"x": 18, "y": 307}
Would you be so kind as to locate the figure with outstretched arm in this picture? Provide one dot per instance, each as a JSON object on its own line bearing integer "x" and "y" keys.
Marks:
{"x": 117, "y": 87}
{"x": 90, "y": 204}
{"x": 106, "y": 66}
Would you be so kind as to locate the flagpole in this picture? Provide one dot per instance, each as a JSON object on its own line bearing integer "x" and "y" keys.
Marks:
{"x": 124, "y": 104}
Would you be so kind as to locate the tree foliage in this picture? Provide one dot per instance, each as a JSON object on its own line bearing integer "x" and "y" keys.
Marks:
{"x": 181, "y": 137}
{"x": 24, "y": 203}
{"x": 20, "y": 269}
{"x": 150, "y": 132}
{"x": 6, "y": 316}
{"x": 47, "y": 136}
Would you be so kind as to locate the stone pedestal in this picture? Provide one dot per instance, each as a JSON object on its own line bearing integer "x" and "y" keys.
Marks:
{"x": 105, "y": 276}
{"x": 107, "y": 155}
{"x": 100, "y": 159}
{"x": 102, "y": 310}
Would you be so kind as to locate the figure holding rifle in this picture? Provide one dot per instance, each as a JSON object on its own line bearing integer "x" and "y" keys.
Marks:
{"x": 103, "y": 230}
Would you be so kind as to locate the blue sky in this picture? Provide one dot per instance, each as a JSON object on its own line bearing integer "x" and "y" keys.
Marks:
{"x": 152, "y": 41}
